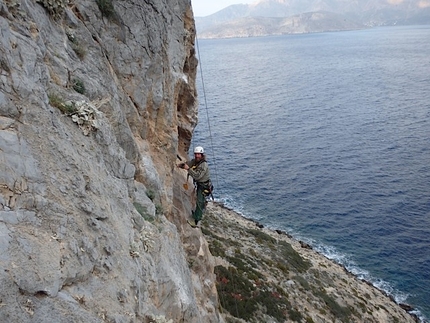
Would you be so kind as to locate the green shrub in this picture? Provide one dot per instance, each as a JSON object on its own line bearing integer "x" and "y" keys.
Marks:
{"x": 232, "y": 320}
{"x": 340, "y": 312}
{"x": 106, "y": 8}
{"x": 150, "y": 194}
{"x": 235, "y": 293}
{"x": 78, "y": 86}
{"x": 292, "y": 257}
{"x": 243, "y": 267}
{"x": 159, "y": 209}
{"x": 283, "y": 267}
{"x": 309, "y": 320}
{"x": 262, "y": 237}
{"x": 57, "y": 102}
{"x": 244, "y": 299}
{"x": 216, "y": 249}
{"x": 302, "y": 282}
{"x": 79, "y": 50}
{"x": 227, "y": 242}
{"x": 76, "y": 46}
{"x": 295, "y": 315}
{"x": 143, "y": 211}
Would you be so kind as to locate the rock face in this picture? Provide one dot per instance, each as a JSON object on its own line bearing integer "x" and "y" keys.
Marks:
{"x": 96, "y": 100}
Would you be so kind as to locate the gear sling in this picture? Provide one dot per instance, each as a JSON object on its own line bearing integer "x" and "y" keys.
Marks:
{"x": 207, "y": 187}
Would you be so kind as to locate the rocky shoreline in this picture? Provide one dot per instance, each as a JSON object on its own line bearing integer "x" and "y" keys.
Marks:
{"x": 297, "y": 283}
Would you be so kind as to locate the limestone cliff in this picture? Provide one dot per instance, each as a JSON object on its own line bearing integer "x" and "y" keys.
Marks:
{"x": 96, "y": 100}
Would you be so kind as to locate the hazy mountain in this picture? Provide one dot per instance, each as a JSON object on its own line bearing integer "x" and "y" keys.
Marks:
{"x": 263, "y": 17}
{"x": 264, "y": 26}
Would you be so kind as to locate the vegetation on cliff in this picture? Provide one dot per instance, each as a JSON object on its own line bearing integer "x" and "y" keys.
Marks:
{"x": 266, "y": 276}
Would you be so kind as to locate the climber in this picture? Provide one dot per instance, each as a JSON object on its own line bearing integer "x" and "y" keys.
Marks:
{"x": 198, "y": 169}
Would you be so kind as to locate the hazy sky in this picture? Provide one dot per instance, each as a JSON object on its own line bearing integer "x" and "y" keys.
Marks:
{"x": 203, "y": 8}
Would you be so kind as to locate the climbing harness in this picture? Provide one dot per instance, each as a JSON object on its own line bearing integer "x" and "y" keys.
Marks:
{"x": 208, "y": 191}
{"x": 207, "y": 187}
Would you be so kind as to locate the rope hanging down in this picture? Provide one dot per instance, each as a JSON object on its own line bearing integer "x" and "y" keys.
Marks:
{"x": 212, "y": 146}
{"x": 207, "y": 112}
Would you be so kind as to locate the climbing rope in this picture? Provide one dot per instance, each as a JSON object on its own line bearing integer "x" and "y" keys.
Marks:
{"x": 207, "y": 112}
{"x": 213, "y": 156}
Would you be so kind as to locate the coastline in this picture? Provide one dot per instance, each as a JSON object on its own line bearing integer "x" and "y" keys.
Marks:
{"x": 321, "y": 292}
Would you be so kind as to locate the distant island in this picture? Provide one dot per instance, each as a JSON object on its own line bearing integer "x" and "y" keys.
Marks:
{"x": 281, "y": 17}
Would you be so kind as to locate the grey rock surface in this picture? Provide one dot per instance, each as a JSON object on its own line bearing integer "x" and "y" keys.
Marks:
{"x": 84, "y": 235}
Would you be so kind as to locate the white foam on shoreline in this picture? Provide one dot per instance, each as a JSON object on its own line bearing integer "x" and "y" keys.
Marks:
{"x": 334, "y": 255}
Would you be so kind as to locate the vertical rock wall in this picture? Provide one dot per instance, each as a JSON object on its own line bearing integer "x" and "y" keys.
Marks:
{"x": 97, "y": 97}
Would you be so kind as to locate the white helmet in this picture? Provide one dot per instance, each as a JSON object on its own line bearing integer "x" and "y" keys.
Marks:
{"x": 199, "y": 150}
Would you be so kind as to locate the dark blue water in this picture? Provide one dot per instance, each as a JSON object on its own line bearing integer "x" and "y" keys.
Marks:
{"x": 327, "y": 136}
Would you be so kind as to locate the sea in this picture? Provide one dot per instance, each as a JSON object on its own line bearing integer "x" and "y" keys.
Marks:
{"x": 326, "y": 136}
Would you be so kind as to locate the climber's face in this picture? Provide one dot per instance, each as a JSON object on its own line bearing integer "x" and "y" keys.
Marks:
{"x": 197, "y": 156}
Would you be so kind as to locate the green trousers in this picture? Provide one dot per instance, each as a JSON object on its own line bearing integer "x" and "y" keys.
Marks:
{"x": 200, "y": 204}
